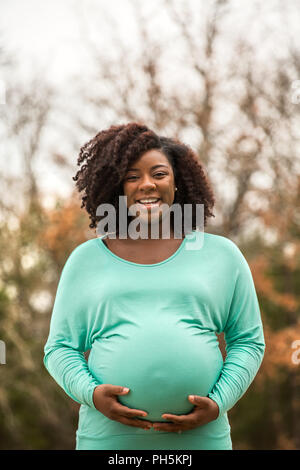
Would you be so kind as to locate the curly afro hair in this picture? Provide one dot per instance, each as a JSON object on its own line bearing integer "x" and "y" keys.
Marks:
{"x": 106, "y": 157}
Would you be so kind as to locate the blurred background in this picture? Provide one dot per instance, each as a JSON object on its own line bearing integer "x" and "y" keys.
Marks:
{"x": 223, "y": 76}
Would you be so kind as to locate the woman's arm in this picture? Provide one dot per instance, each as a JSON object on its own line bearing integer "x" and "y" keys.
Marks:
{"x": 245, "y": 344}
{"x": 69, "y": 369}
{"x": 69, "y": 335}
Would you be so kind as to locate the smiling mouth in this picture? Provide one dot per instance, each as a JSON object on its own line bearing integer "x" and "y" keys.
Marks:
{"x": 148, "y": 203}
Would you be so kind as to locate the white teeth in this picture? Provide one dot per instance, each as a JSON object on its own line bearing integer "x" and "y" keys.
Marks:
{"x": 145, "y": 201}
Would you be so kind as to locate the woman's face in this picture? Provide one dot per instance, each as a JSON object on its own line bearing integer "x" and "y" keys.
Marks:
{"x": 150, "y": 177}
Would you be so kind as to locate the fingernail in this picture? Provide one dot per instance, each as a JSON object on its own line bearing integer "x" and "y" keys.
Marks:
{"x": 125, "y": 389}
{"x": 192, "y": 397}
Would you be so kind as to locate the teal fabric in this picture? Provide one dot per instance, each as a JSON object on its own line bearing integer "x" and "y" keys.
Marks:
{"x": 153, "y": 328}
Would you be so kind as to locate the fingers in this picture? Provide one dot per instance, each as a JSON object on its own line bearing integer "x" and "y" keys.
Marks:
{"x": 116, "y": 389}
{"x": 168, "y": 427}
{"x": 127, "y": 415}
{"x": 208, "y": 406}
{"x": 108, "y": 404}
{"x": 130, "y": 416}
{"x": 199, "y": 401}
{"x": 125, "y": 410}
{"x": 129, "y": 412}
{"x": 138, "y": 423}
{"x": 177, "y": 419}
{"x": 177, "y": 424}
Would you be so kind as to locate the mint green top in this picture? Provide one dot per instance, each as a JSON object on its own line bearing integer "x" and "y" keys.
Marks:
{"x": 152, "y": 328}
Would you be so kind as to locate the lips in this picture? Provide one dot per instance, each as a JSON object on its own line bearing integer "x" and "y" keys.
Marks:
{"x": 149, "y": 204}
{"x": 148, "y": 200}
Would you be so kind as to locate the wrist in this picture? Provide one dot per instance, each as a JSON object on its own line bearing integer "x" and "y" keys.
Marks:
{"x": 93, "y": 396}
{"x": 215, "y": 409}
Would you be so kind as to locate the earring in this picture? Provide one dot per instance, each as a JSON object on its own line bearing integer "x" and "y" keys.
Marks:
{"x": 175, "y": 189}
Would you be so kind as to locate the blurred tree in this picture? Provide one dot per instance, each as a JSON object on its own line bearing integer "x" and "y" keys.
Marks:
{"x": 243, "y": 127}
{"x": 30, "y": 404}
{"x": 274, "y": 398}
{"x": 35, "y": 413}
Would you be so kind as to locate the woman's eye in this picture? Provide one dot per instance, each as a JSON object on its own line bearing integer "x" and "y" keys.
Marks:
{"x": 160, "y": 174}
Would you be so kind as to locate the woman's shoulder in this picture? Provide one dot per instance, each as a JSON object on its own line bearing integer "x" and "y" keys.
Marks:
{"x": 82, "y": 252}
{"x": 219, "y": 240}
{"x": 225, "y": 248}
{"x": 220, "y": 246}
{"x": 216, "y": 240}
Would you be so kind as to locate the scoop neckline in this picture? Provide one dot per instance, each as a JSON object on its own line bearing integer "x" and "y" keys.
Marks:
{"x": 179, "y": 249}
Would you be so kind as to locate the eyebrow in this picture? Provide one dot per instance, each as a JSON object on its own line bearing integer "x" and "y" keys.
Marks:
{"x": 152, "y": 168}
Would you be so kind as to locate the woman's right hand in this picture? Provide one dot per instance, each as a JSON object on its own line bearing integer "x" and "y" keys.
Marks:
{"x": 105, "y": 398}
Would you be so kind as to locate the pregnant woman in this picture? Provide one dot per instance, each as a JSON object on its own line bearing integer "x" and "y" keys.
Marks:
{"x": 148, "y": 308}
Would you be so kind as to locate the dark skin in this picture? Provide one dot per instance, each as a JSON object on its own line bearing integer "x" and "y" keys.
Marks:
{"x": 142, "y": 181}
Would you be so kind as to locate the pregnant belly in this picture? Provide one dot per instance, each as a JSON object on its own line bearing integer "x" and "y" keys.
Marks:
{"x": 161, "y": 368}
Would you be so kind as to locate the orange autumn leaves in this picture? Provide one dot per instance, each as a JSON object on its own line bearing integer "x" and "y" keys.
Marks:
{"x": 265, "y": 286}
{"x": 282, "y": 346}
{"x": 66, "y": 227}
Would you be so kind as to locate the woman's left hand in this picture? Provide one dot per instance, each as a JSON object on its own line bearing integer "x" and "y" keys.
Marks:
{"x": 205, "y": 410}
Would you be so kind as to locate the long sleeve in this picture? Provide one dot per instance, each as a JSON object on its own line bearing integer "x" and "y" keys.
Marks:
{"x": 69, "y": 335}
{"x": 245, "y": 344}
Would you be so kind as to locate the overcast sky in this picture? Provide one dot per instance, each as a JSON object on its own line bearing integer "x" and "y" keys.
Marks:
{"x": 49, "y": 33}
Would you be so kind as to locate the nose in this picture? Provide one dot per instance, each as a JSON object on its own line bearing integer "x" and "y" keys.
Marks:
{"x": 146, "y": 184}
